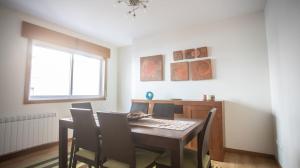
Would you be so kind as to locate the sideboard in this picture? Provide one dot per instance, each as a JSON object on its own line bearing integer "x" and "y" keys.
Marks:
{"x": 199, "y": 110}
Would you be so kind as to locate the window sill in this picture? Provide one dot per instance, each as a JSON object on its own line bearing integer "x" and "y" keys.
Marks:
{"x": 40, "y": 101}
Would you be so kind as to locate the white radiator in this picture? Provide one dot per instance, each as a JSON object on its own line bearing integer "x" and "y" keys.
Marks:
{"x": 26, "y": 131}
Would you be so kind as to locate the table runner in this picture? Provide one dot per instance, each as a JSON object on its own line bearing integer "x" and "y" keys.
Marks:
{"x": 178, "y": 125}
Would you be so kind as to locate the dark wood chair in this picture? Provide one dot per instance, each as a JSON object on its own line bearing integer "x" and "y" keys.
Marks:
{"x": 83, "y": 105}
{"x": 178, "y": 109}
{"x": 140, "y": 106}
{"x": 136, "y": 107}
{"x": 164, "y": 111}
{"x": 87, "y": 144}
{"x": 118, "y": 147}
{"x": 199, "y": 158}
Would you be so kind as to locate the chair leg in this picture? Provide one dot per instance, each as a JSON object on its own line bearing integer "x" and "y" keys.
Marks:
{"x": 74, "y": 163}
{"x": 90, "y": 166}
{"x": 72, "y": 153}
{"x": 98, "y": 160}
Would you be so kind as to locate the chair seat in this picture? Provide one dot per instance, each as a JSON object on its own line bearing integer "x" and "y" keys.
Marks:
{"x": 86, "y": 154}
{"x": 189, "y": 159}
{"x": 144, "y": 158}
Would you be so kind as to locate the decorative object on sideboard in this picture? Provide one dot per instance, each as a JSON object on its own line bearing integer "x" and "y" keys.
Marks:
{"x": 212, "y": 97}
{"x": 189, "y": 54}
{"x": 178, "y": 55}
{"x": 205, "y": 97}
{"x": 201, "y": 70}
{"x": 151, "y": 68}
{"x": 149, "y": 95}
{"x": 180, "y": 71}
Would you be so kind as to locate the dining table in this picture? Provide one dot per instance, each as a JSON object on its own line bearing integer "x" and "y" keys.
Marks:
{"x": 172, "y": 140}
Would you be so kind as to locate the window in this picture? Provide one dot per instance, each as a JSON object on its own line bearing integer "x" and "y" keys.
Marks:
{"x": 64, "y": 74}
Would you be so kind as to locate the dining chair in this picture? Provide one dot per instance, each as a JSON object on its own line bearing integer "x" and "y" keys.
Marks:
{"x": 139, "y": 106}
{"x": 191, "y": 158}
{"x": 83, "y": 105}
{"x": 87, "y": 143}
{"x": 178, "y": 109}
{"x": 117, "y": 144}
{"x": 163, "y": 111}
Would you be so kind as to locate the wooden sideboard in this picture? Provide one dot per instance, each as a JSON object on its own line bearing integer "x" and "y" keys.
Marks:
{"x": 200, "y": 109}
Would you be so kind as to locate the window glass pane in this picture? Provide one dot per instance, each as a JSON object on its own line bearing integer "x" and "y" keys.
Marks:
{"x": 50, "y": 72}
{"x": 86, "y": 75}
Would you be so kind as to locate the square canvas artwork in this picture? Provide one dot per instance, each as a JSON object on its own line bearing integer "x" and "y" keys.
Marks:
{"x": 180, "y": 71}
{"x": 201, "y": 70}
{"x": 201, "y": 52}
{"x": 178, "y": 55}
{"x": 189, "y": 54}
{"x": 151, "y": 68}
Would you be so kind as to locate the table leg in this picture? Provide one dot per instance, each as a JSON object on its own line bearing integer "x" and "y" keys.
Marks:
{"x": 177, "y": 156}
{"x": 63, "y": 145}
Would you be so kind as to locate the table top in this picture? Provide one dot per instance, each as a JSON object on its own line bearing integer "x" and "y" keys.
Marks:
{"x": 161, "y": 132}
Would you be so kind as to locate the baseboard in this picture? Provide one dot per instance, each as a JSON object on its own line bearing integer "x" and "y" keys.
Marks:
{"x": 250, "y": 153}
{"x": 27, "y": 151}
{"x": 278, "y": 163}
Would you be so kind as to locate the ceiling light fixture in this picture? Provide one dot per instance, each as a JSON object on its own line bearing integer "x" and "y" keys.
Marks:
{"x": 134, "y": 5}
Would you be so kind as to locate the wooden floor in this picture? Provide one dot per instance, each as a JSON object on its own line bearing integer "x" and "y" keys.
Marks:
{"x": 31, "y": 158}
{"x": 232, "y": 160}
{"x": 238, "y": 160}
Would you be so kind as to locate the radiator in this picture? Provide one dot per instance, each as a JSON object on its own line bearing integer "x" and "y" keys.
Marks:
{"x": 26, "y": 131}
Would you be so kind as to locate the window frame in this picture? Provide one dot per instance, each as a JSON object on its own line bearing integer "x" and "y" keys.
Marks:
{"x": 68, "y": 98}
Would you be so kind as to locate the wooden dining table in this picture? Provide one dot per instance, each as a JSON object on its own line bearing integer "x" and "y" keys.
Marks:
{"x": 168, "y": 139}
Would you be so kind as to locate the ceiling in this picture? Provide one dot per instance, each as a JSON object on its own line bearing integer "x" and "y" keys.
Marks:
{"x": 103, "y": 20}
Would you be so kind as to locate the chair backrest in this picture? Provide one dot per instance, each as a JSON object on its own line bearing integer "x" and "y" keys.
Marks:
{"x": 203, "y": 138}
{"x": 85, "y": 128}
{"x": 178, "y": 109}
{"x": 117, "y": 141}
{"x": 137, "y": 106}
{"x": 84, "y": 105}
{"x": 163, "y": 111}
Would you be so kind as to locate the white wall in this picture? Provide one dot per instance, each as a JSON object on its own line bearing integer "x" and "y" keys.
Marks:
{"x": 12, "y": 69}
{"x": 124, "y": 78}
{"x": 238, "y": 48}
{"x": 283, "y": 34}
